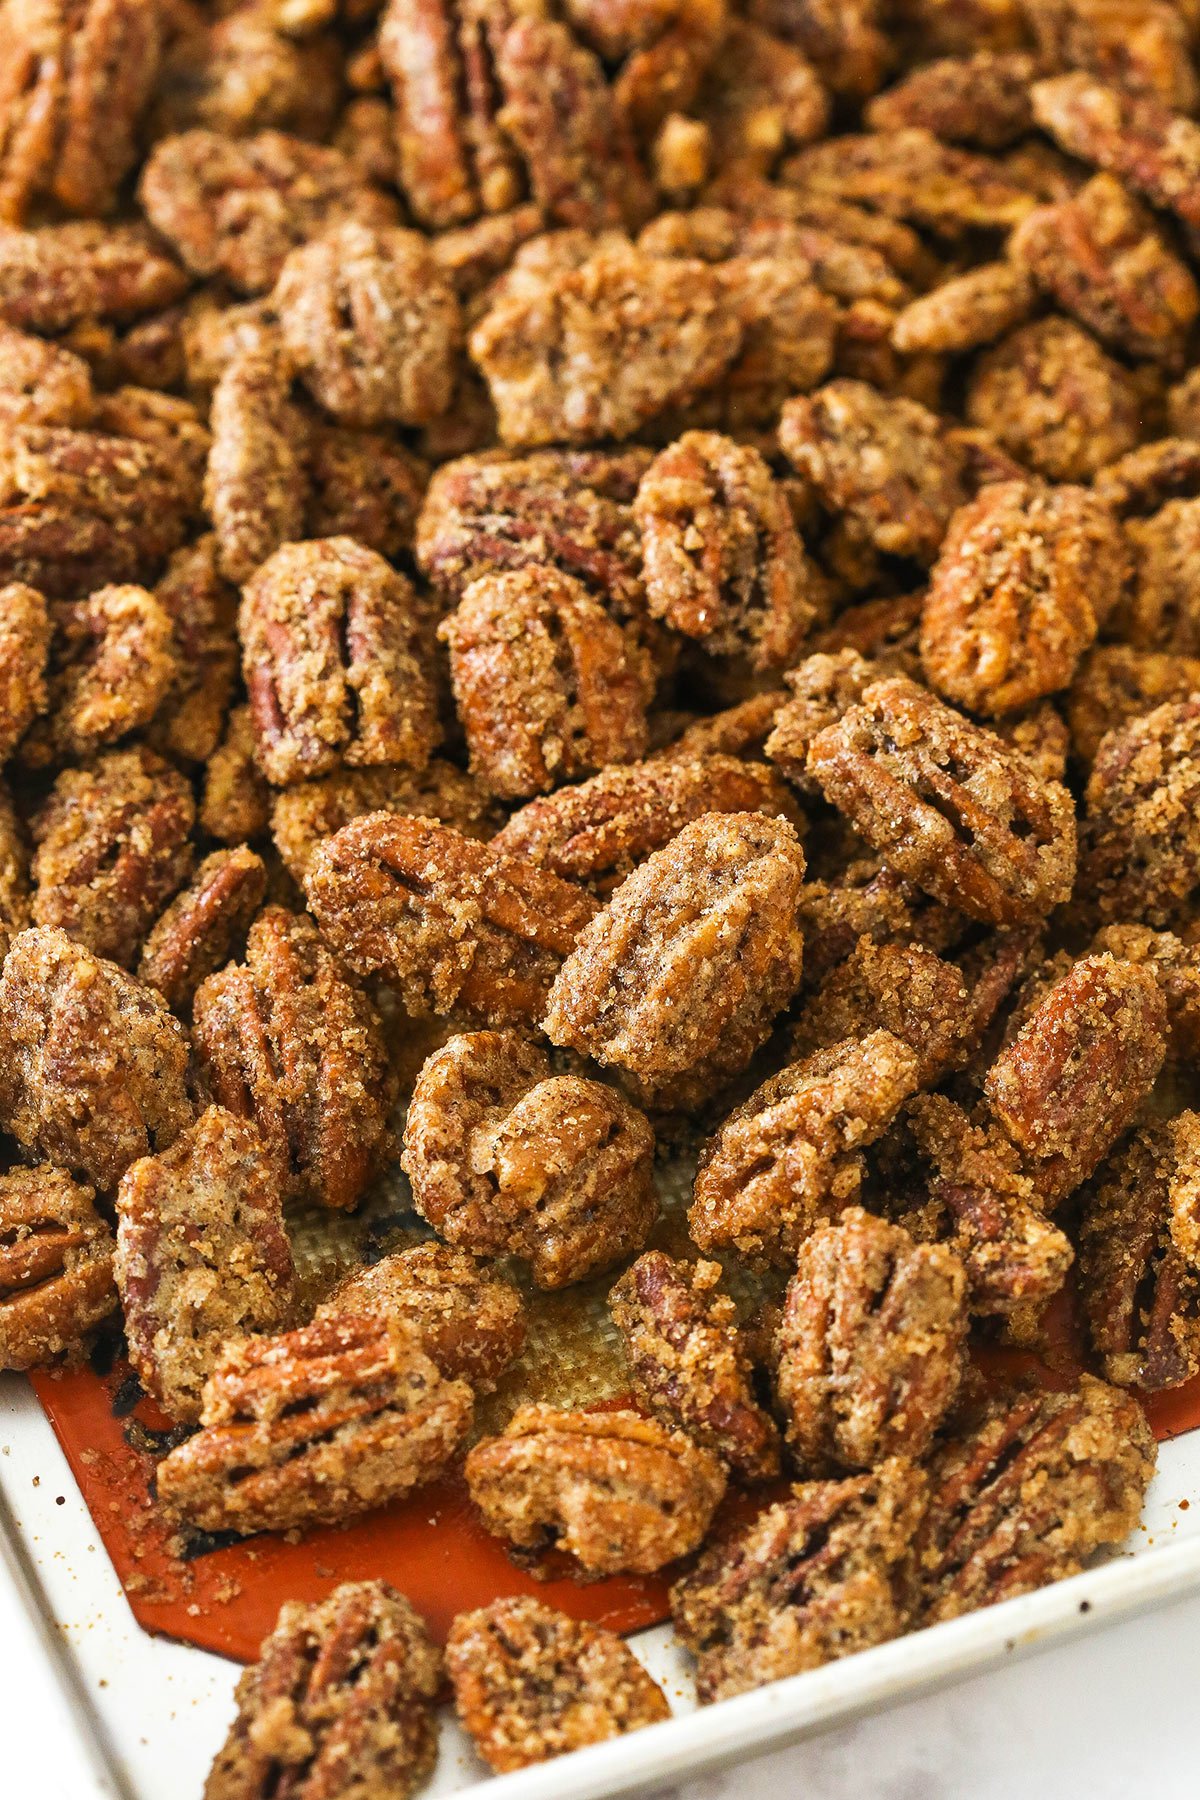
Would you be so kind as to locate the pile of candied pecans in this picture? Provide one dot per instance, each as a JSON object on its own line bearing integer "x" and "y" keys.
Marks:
{"x": 655, "y": 546}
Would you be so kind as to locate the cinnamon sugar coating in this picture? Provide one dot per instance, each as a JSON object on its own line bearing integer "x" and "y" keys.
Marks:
{"x": 909, "y": 174}
{"x": 981, "y": 101}
{"x": 255, "y": 486}
{"x": 55, "y": 276}
{"x": 906, "y": 989}
{"x": 202, "y": 1255}
{"x": 1140, "y": 840}
{"x": 531, "y": 1683}
{"x": 236, "y": 803}
{"x": 25, "y": 632}
{"x": 1162, "y": 610}
{"x": 1054, "y": 400}
{"x": 112, "y": 665}
{"x": 202, "y": 609}
{"x": 204, "y": 926}
{"x": 309, "y": 811}
{"x": 14, "y": 873}
{"x": 613, "y": 1490}
{"x": 56, "y": 1267}
{"x": 244, "y": 72}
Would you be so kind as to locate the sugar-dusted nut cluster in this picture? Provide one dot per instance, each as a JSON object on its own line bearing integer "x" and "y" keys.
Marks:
{"x": 341, "y": 1698}
{"x": 613, "y": 1490}
{"x": 531, "y": 1683}
{"x": 56, "y": 1267}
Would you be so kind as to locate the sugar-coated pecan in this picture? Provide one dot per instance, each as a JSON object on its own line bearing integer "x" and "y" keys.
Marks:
{"x": 762, "y": 100}
{"x": 1132, "y": 135}
{"x": 689, "y": 1363}
{"x": 723, "y": 560}
{"x": 1163, "y": 609}
{"x": 244, "y": 73}
{"x": 789, "y": 1157}
{"x": 823, "y": 687}
{"x": 311, "y": 810}
{"x": 596, "y": 350}
{"x": 840, "y": 266}
{"x": 59, "y": 275}
{"x": 1116, "y": 684}
{"x": 1025, "y": 577}
{"x": 472, "y": 256}
{"x": 341, "y": 1697}
{"x": 14, "y": 871}
{"x": 968, "y": 310}
{"x": 547, "y": 686}
{"x": 813, "y": 1578}
{"x": 1146, "y": 478}
{"x": 204, "y": 927}
{"x": 56, "y": 1267}
{"x": 906, "y": 989}
{"x": 329, "y": 637}
{"x": 237, "y": 800}
{"x": 1140, "y": 841}
{"x": 112, "y": 665}
{"x": 1139, "y": 1257}
{"x": 237, "y": 206}
{"x": 739, "y": 730}
{"x": 75, "y": 77}
{"x": 202, "y": 608}
{"x": 41, "y": 384}
{"x": 884, "y": 464}
{"x": 363, "y": 485}
{"x": 113, "y": 846}
{"x": 871, "y": 1346}
{"x": 470, "y": 1323}
{"x": 256, "y": 485}
{"x": 980, "y": 100}
{"x": 950, "y": 805}
{"x": 678, "y": 981}
{"x": 1141, "y": 46}
{"x": 92, "y": 1065}
{"x": 1072, "y": 1079}
{"x": 169, "y": 424}
{"x": 290, "y": 1040}
{"x": 1055, "y": 400}
{"x": 314, "y": 1426}
{"x": 1101, "y": 257}
{"x": 599, "y": 831}
{"x": 843, "y": 38}
{"x": 909, "y": 174}
{"x": 614, "y": 1490}
{"x": 371, "y": 324}
{"x": 25, "y": 632}
{"x": 455, "y": 925}
{"x": 202, "y": 1255}
{"x": 531, "y": 1683}
{"x": 1042, "y": 1481}
{"x": 506, "y": 1157}
{"x": 1175, "y": 965}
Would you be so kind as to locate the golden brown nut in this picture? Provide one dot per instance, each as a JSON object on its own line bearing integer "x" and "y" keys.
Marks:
{"x": 1144, "y": 479}
{"x": 789, "y": 1157}
{"x": 202, "y": 1255}
{"x": 971, "y": 309}
{"x": 906, "y": 989}
{"x": 981, "y": 100}
{"x": 823, "y": 687}
{"x": 14, "y": 874}
{"x": 57, "y": 275}
{"x": 307, "y": 812}
{"x": 41, "y": 384}
{"x": 202, "y": 608}
{"x": 56, "y": 1267}
{"x": 25, "y": 632}
{"x": 92, "y": 1065}
{"x": 205, "y": 926}
{"x": 242, "y": 73}
{"x": 112, "y": 666}
{"x": 1140, "y": 841}
{"x": 1053, "y": 399}
{"x": 364, "y": 485}
{"x": 531, "y": 1683}
{"x": 689, "y": 1363}
{"x": 1131, "y": 135}
{"x": 1175, "y": 965}
{"x": 237, "y": 801}
{"x": 289, "y": 1040}
{"x": 1116, "y": 684}
{"x": 762, "y": 99}
{"x": 612, "y": 1489}
{"x": 256, "y": 485}
{"x": 1162, "y": 612}
{"x": 1041, "y": 1482}
{"x": 816, "y": 1577}
{"x": 314, "y": 1426}
{"x": 341, "y": 1696}
{"x": 1141, "y": 46}
{"x": 910, "y": 174}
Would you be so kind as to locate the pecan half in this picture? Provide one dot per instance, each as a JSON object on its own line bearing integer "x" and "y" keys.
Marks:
{"x": 205, "y": 926}
{"x": 58, "y": 275}
{"x": 41, "y": 384}
{"x": 237, "y": 800}
{"x": 1054, "y": 400}
{"x": 364, "y": 485}
{"x": 910, "y": 174}
{"x": 56, "y": 1267}
{"x": 1141, "y": 46}
{"x": 1131, "y": 135}
{"x": 968, "y": 310}
{"x": 302, "y": 815}
{"x": 1163, "y": 613}
{"x": 202, "y": 609}
{"x": 1140, "y": 840}
{"x": 25, "y": 633}
{"x": 112, "y": 666}
{"x": 1116, "y": 684}
{"x": 1175, "y": 965}
{"x": 906, "y": 989}
{"x": 256, "y": 486}
{"x": 981, "y": 101}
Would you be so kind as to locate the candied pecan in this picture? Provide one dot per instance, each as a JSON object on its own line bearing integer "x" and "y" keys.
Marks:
{"x": 951, "y": 806}
{"x": 1175, "y": 965}
{"x": 678, "y": 981}
{"x": 842, "y": 37}
{"x": 813, "y": 1578}
{"x": 14, "y": 872}
{"x": 364, "y": 485}
{"x": 980, "y": 100}
{"x": 1143, "y": 480}
{"x": 314, "y": 1426}
{"x": 329, "y": 648}
{"x": 169, "y": 424}
{"x": 531, "y": 1683}
{"x": 1025, "y": 577}
{"x": 112, "y": 666}
{"x": 256, "y": 487}
{"x": 472, "y": 256}
{"x": 371, "y": 324}
{"x": 78, "y": 509}
{"x": 763, "y": 98}
{"x": 237, "y": 207}
{"x": 599, "y": 831}
{"x": 1164, "y": 609}
{"x": 40, "y": 384}
{"x": 455, "y": 925}
{"x": 1042, "y": 1481}
{"x": 740, "y": 731}
{"x": 311, "y": 810}
{"x": 570, "y": 509}
{"x": 237, "y": 800}
{"x": 202, "y": 1256}
{"x": 244, "y": 73}
{"x": 60, "y": 275}
{"x": 471, "y": 1324}
{"x": 581, "y": 353}
{"x": 92, "y": 1065}
{"x": 1140, "y": 841}
{"x": 341, "y": 1696}
{"x": 906, "y": 989}
{"x": 1072, "y": 1079}
{"x": 968, "y": 310}
{"x": 1051, "y": 397}
{"x": 910, "y": 174}
{"x": 505, "y": 1157}
{"x": 547, "y": 686}
{"x": 75, "y": 78}
{"x": 881, "y": 462}
{"x": 1132, "y": 135}
{"x": 688, "y": 1362}
{"x": 789, "y": 1157}
{"x": 204, "y": 926}
{"x": 1141, "y": 46}
{"x": 290, "y": 1040}
{"x": 56, "y": 1267}
{"x": 113, "y": 846}
{"x": 871, "y": 1346}
{"x": 612, "y": 1489}
{"x": 202, "y": 609}
{"x": 1115, "y": 684}
{"x": 841, "y": 267}
{"x": 722, "y": 558}
{"x": 823, "y": 687}
{"x": 25, "y": 632}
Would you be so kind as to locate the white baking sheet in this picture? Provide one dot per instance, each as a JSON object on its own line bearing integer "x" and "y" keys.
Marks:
{"x": 143, "y": 1717}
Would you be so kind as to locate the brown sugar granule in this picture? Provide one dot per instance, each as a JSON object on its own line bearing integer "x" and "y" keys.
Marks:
{"x": 1116, "y": 684}
{"x": 1055, "y": 400}
{"x": 305, "y": 813}
{"x": 236, "y": 803}
{"x": 56, "y": 1267}
{"x": 531, "y": 1683}
{"x": 314, "y": 1426}
{"x": 689, "y": 1363}
{"x": 341, "y": 1698}
{"x": 1140, "y": 839}
{"x": 112, "y": 665}
{"x": 25, "y": 633}
{"x": 202, "y": 1255}
{"x": 614, "y": 1490}
{"x": 204, "y": 926}
{"x": 1131, "y": 135}
{"x": 92, "y": 1065}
